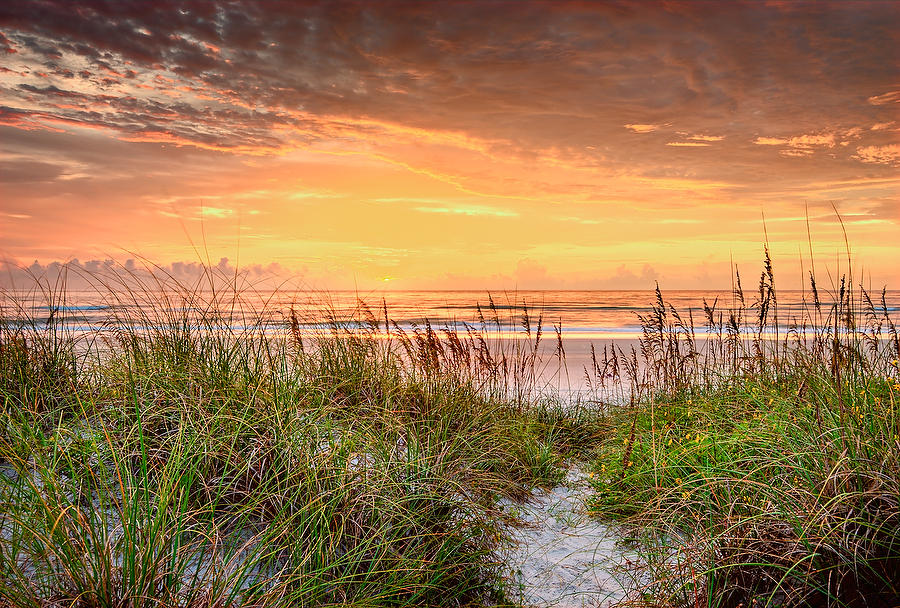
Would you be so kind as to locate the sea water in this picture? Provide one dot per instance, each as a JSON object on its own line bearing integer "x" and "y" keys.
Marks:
{"x": 573, "y": 325}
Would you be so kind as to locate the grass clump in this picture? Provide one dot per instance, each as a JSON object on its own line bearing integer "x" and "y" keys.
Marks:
{"x": 761, "y": 461}
{"x": 203, "y": 449}
{"x": 193, "y": 453}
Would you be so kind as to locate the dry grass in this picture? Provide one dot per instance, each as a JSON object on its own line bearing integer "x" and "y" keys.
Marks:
{"x": 760, "y": 457}
{"x": 191, "y": 453}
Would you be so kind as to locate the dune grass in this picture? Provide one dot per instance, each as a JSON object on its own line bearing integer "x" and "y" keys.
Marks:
{"x": 191, "y": 454}
{"x": 195, "y": 452}
{"x": 760, "y": 462}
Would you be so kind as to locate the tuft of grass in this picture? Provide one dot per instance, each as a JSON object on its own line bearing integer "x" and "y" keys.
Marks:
{"x": 204, "y": 448}
{"x": 195, "y": 453}
{"x": 760, "y": 462}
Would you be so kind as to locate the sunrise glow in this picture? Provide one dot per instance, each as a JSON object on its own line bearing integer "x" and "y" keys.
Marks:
{"x": 451, "y": 145}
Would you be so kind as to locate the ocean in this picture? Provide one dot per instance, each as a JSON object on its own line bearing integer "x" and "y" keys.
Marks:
{"x": 576, "y": 321}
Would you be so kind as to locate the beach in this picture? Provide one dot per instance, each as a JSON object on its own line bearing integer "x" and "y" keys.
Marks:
{"x": 206, "y": 444}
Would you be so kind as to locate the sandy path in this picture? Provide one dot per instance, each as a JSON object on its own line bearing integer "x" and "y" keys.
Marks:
{"x": 560, "y": 556}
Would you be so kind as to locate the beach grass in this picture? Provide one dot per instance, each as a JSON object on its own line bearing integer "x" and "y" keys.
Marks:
{"x": 760, "y": 464}
{"x": 194, "y": 453}
{"x": 188, "y": 457}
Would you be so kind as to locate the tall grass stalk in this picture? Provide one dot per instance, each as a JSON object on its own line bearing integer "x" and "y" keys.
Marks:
{"x": 193, "y": 453}
{"x": 760, "y": 458}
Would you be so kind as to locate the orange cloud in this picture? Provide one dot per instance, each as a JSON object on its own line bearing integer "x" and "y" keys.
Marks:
{"x": 803, "y": 141}
{"x": 770, "y": 141}
{"x": 687, "y": 144}
{"x": 641, "y": 128}
{"x": 882, "y": 155}
{"x": 418, "y": 140}
{"x": 889, "y": 97}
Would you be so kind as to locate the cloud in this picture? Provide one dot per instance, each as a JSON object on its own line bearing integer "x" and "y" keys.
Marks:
{"x": 882, "y": 126}
{"x": 471, "y": 210}
{"x": 626, "y": 278}
{"x": 695, "y": 141}
{"x": 800, "y": 146}
{"x": 251, "y": 77}
{"x": 797, "y": 152}
{"x": 887, "y": 210}
{"x": 579, "y": 220}
{"x": 29, "y": 171}
{"x": 687, "y": 144}
{"x": 770, "y": 141}
{"x": 104, "y": 275}
{"x": 531, "y": 273}
{"x": 889, "y": 97}
{"x": 638, "y": 128}
{"x": 882, "y": 155}
{"x": 798, "y": 141}
{"x": 216, "y": 212}
{"x": 6, "y": 46}
{"x": 107, "y": 109}
{"x": 449, "y": 206}
{"x": 803, "y": 141}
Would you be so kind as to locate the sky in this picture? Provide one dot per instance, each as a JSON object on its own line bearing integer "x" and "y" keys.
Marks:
{"x": 426, "y": 145}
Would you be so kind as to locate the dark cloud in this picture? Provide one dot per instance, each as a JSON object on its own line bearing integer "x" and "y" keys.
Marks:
{"x": 49, "y": 50}
{"x": 886, "y": 209}
{"x": 696, "y": 103}
{"x": 525, "y": 75}
{"x": 130, "y": 116}
{"x": 27, "y": 171}
{"x": 5, "y": 45}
